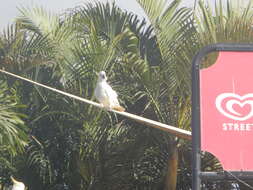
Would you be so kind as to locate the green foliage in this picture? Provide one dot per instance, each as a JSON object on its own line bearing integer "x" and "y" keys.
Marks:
{"x": 13, "y": 137}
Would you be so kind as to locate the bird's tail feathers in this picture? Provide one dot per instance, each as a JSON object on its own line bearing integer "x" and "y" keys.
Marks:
{"x": 118, "y": 108}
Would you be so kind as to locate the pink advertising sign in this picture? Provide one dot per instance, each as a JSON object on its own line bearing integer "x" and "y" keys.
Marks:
{"x": 226, "y": 104}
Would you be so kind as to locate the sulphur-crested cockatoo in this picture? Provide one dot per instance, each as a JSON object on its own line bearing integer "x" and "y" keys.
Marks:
{"x": 17, "y": 185}
{"x": 105, "y": 94}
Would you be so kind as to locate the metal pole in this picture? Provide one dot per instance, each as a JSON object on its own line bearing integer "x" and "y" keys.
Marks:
{"x": 196, "y": 161}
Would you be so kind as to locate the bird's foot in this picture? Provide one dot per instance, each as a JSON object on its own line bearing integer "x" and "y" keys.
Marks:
{"x": 107, "y": 108}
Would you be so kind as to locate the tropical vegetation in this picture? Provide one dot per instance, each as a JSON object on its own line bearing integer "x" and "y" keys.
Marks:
{"x": 50, "y": 141}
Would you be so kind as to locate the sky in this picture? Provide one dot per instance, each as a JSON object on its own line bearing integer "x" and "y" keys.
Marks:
{"x": 9, "y": 9}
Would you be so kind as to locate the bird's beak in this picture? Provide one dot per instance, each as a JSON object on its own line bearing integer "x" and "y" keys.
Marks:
{"x": 96, "y": 73}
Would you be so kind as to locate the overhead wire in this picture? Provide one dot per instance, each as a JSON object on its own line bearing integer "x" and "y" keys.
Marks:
{"x": 181, "y": 133}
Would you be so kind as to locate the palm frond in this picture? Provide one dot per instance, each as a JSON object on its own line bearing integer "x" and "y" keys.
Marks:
{"x": 12, "y": 126}
{"x": 38, "y": 20}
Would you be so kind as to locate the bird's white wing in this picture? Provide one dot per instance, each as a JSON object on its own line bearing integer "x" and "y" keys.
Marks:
{"x": 112, "y": 95}
{"x": 18, "y": 186}
{"x": 113, "y": 99}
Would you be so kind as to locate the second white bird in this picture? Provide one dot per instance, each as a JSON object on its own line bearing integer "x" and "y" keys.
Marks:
{"x": 17, "y": 185}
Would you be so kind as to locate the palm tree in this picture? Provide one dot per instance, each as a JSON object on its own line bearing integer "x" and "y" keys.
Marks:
{"x": 76, "y": 66}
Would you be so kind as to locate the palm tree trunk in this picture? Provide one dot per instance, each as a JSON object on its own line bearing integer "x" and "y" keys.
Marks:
{"x": 171, "y": 177}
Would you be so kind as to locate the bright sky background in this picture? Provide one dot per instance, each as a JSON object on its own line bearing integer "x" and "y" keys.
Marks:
{"x": 8, "y": 8}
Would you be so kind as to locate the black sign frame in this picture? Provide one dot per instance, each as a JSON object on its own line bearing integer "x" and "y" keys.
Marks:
{"x": 197, "y": 175}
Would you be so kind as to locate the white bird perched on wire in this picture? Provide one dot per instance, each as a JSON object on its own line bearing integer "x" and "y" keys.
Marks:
{"x": 17, "y": 185}
{"x": 105, "y": 94}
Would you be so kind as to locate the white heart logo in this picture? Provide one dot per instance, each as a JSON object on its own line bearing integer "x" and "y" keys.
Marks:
{"x": 234, "y": 99}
